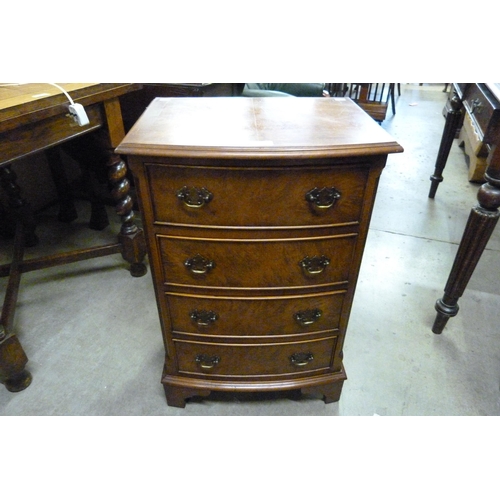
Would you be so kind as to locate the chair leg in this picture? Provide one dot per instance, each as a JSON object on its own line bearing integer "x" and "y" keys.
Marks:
{"x": 87, "y": 153}
{"x": 393, "y": 102}
{"x": 67, "y": 210}
{"x": 13, "y": 359}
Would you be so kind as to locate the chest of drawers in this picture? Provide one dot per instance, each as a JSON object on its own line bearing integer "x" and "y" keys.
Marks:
{"x": 256, "y": 213}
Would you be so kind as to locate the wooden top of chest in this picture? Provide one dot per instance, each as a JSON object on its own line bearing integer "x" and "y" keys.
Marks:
{"x": 241, "y": 127}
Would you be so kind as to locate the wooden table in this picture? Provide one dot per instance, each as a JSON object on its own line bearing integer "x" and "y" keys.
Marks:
{"x": 481, "y": 102}
{"x": 34, "y": 118}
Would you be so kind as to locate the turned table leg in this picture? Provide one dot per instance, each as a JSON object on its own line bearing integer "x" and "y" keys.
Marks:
{"x": 449, "y": 132}
{"x": 13, "y": 359}
{"x": 131, "y": 237}
{"x": 93, "y": 153}
{"x": 480, "y": 225}
{"x": 12, "y": 364}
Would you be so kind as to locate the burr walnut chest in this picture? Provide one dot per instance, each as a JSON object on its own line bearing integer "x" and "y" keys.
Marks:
{"x": 256, "y": 212}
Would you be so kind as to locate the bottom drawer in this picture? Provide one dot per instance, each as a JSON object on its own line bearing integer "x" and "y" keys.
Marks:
{"x": 245, "y": 360}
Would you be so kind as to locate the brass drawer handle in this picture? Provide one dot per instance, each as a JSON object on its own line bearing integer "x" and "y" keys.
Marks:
{"x": 308, "y": 317}
{"x": 203, "y": 318}
{"x": 323, "y": 198}
{"x": 314, "y": 265}
{"x": 194, "y": 197}
{"x": 199, "y": 264}
{"x": 207, "y": 362}
{"x": 301, "y": 358}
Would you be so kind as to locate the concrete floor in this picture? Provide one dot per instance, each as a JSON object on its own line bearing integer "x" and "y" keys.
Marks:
{"x": 92, "y": 334}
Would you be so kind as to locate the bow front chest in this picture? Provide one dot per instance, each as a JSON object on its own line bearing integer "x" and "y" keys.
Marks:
{"x": 256, "y": 212}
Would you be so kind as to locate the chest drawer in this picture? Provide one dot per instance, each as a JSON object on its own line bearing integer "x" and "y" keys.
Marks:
{"x": 271, "y": 316}
{"x": 279, "y": 197}
{"x": 244, "y": 360}
{"x": 256, "y": 263}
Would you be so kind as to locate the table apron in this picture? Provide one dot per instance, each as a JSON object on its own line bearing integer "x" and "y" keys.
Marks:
{"x": 36, "y": 137}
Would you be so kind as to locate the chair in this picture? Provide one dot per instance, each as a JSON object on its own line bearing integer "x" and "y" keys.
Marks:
{"x": 372, "y": 97}
{"x": 284, "y": 90}
{"x": 88, "y": 186}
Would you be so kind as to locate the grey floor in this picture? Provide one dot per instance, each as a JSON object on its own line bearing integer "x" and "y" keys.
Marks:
{"x": 92, "y": 334}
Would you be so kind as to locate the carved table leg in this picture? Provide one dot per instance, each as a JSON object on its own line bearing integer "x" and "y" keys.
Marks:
{"x": 450, "y": 129}
{"x": 92, "y": 152}
{"x": 131, "y": 237}
{"x": 482, "y": 221}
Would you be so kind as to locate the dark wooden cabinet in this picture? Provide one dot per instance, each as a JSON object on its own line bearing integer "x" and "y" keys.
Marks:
{"x": 480, "y": 105}
{"x": 256, "y": 213}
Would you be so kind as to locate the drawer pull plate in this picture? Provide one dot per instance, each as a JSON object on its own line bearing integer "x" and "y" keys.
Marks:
{"x": 323, "y": 198}
{"x": 308, "y": 317}
{"x": 199, "y": 264}
{"x": 207, "y": 362}
{"x": 203, "y": 318}
{"x": 194, "y": 197}
{"x": 314, "y": 265}
{"x": 301, "y": 358}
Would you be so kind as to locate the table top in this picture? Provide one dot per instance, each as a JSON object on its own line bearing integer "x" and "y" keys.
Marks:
{"x": 244, "y": 127}
{"x": 25, "y": 103}
{"x": 16, "y": 94}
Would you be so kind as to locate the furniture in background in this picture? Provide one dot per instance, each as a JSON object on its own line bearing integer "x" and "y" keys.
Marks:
{"x": 473, "y": 115}
{"x": 134, "y": 103}
{"x": 481, "y": 119}
{"x": 255, "y": 234}
{"x": 374, "y": 98}
{"x": 481, "y": 104}
{"x": 453, "y": 124}
{"x": 34, "y": 118}
{"x": 284, "y": 90}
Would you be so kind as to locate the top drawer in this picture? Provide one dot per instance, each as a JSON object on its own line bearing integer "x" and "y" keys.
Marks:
{"x": 245, "y": 197}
